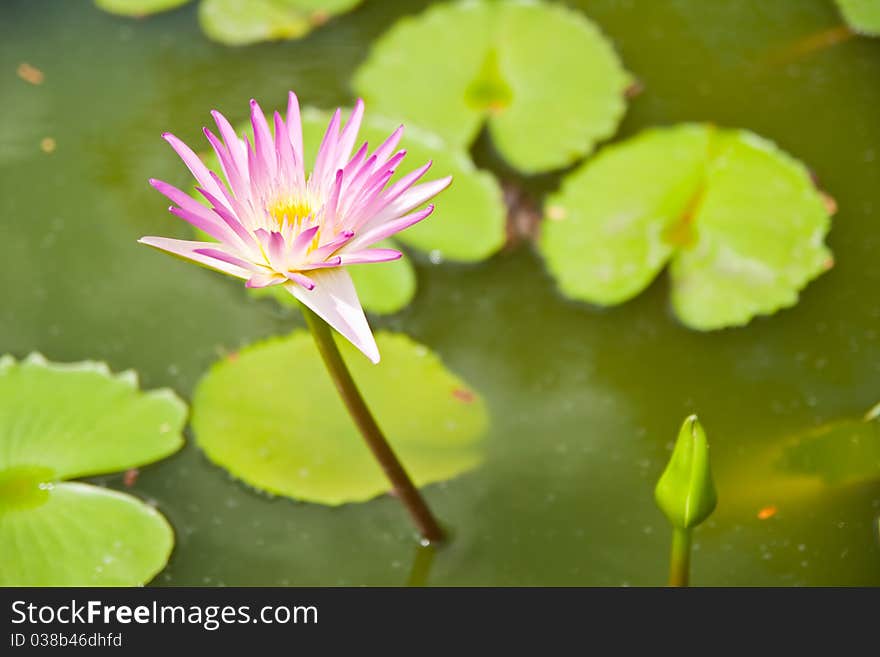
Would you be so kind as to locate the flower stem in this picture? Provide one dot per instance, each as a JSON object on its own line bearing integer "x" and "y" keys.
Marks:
{"x": 357, "y": 407}
{"x": 680, "y": 560}
{"x": 421, "y": 568}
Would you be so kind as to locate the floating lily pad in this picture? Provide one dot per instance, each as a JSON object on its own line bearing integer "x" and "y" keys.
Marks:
{"x": 468, "y": 223}
{"x": 863, "y": 16}
{"x": 272, "y": 417}
{"x": 840, "y": 452}
{"x": 58, "y": 422}
{"x": 741, "y": 222}
{"x": 543, "y": 76}
{"x": 237, "y": 23}
{"x": 138, "y": 8}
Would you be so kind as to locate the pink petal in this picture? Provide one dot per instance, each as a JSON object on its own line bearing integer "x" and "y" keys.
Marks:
{"x": 335, "y": 261}
{"x": 381, "y": 231}
{"x": 193, "y": 163}
{"x": 331, "y": 247}
{"x": 301, "y": 279}
{"x": 263, "y": 144}
{"x": 224, "y": 257}
{"x": 182, "y": 199}
{"x": 294, "y": 131}
{"x": 349, "y": 133}
{"x": 412, "y": 198}
{"x": 209, "y": 225}
{"x": 370, "y": 255}
{"x": 284, "y": 152}
{"x": 302, "y": 241}
{"x": 265, "y": 280}
{"x": 188, "y": 249}
{"x": 276, "y": 247}
{"x": 227, "y": 162}
{"x": 325, "y": 162}
{"x": 356, "y": 161}
{"x": 235, "y": 146}
{"x": 388, "y": 146}
{"x": 335, "y": 300}
{"x": 229, "y": 219}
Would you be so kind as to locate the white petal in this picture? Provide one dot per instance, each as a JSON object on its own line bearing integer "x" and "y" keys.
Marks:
{"x": 335, "y": 300}
{"x": 186, "y": 249}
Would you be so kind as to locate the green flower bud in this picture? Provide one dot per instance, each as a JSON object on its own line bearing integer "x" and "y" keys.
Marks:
{"x": 686, "y": 492}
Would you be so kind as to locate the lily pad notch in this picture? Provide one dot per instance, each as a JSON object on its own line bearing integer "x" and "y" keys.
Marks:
{"x": 740, "y": 223}
{"x": 498, "y": 63}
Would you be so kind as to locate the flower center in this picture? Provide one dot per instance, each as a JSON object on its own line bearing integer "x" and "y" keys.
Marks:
{"x": 292, "y": 209}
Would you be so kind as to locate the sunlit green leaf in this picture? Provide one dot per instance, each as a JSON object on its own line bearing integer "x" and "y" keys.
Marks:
{"x": 607, "y": 232}
{"x": 838, "y": 452}
{"x": 741, "y": 222}
{"x": 760, "y": 225}
{"x": 79, "y": 420}
{"x": 543, "y": 76}
{"x": 863, "y": 16}
{"x": 138, "y": 7}
{"x": 63, "y": 421}
{"x": 237, "y": 23}
{"x": 82, "y": 535}
{"x": 272, "y": 417}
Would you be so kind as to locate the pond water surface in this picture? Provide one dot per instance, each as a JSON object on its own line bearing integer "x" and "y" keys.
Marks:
{"x": 585, "y": 402}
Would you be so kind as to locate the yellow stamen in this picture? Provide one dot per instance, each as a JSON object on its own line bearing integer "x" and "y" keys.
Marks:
{"x": 293, "y": 210}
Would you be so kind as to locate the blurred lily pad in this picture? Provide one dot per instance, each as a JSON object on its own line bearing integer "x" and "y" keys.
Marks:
{"x": 138, "y": 8}
{"x": 863, "y": 16}
{"x": 237, "y": 23}
{"x": 272, "y": 417}
{"x": 840, "y": 452}
{"x": 741, "y": 222}
{"x": 240, "y": 22}
{"x": 58, "y": 422}
{"x": 457, "y": 65}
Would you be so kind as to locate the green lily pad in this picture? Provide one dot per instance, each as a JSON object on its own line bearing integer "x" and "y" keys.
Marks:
{"x": 83, "y": 535}
{"x": 237, "y": 23}
{"x": 840, "y": 452}
{"x": 272, "y": 417}
{"x": 863, "y": 16}
{"x": 468, "y": 224}
{"x": 58, "y": 422}
{"x": 741, "y": 222}
{"x": 138, "y": 8}
{"x": 457, "y": 65}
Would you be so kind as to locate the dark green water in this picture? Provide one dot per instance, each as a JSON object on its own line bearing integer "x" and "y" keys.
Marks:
{"x": 585, "y": 402}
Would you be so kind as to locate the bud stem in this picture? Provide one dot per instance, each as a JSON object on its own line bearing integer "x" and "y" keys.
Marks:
{"x": 402, "y": 485}
{"x": 680, "y": 559}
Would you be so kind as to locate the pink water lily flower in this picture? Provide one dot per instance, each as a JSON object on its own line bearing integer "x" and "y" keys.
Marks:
{"x": 275, "y": 225}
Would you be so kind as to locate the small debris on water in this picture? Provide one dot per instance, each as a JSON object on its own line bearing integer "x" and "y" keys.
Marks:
{"x": 30, "y": 74}
{"x": 463, "y": 395}
{"x": 767, "y": 512}
{"x": 130, "y": 477}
